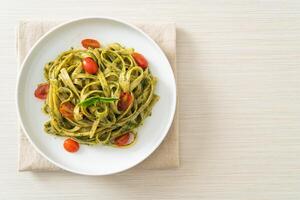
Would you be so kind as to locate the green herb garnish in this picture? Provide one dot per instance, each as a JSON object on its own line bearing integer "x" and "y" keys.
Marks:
{"x": 94, "y": 100}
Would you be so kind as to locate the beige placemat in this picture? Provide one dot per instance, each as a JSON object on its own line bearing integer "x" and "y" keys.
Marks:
{"x": 166, "y": 156}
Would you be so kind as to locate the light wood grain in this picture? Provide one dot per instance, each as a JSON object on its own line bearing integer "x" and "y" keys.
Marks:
{"x": 239, "y": 82}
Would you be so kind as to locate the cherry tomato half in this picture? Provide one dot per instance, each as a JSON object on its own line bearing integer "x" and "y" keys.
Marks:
{"x": 41, "y": 91}
{"x": 86, "y": 43}
{"x": 124, "y": 139}
{"x": 140, "y": 60}
{"x": 71, "y": 145}
{"x": 124, "y": 101}
{"x": 89, "y": 65}
{"x": 66, "y": 109}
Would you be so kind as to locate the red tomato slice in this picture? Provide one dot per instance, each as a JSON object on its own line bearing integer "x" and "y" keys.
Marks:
{"x": 89, "y": 65}
{"x": 140, "y": 60}
{"x": 124, "y": 139}
{"x": 71, "y": 145}
{"x": 86, "y": 43}
{"x": 66, "y": 109}
{"x": 41, "y": 91}
{"x": 124, "y": 101}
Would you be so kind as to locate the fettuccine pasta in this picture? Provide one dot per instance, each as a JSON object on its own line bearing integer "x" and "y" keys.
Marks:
{"x": 98, "y": 95}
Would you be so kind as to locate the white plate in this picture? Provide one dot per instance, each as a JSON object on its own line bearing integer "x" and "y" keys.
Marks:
{"x": 96, "y": 160}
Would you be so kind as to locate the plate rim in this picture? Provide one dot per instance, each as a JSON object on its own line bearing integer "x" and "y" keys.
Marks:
{"x": 22, "y": 68}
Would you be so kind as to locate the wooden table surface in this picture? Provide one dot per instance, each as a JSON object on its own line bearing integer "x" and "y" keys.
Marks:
{"x": 239, "y": 83}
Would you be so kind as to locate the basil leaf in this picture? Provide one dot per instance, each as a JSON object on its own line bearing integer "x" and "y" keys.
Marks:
{"x": 93, "y": 100}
